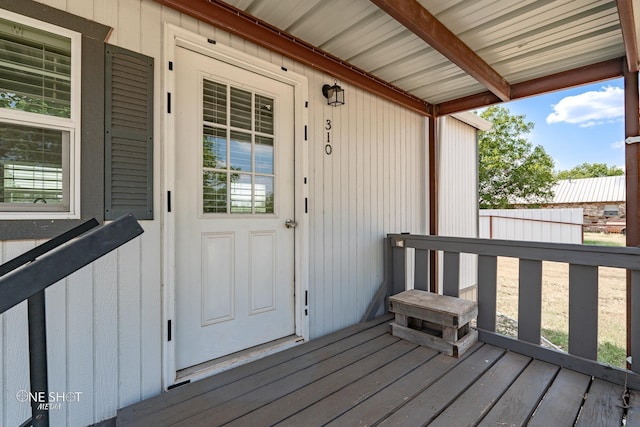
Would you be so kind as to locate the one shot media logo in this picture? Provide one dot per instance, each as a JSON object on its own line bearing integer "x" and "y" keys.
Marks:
{"x": 51, "y": 400}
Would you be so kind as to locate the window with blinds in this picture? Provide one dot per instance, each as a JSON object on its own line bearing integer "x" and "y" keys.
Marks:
{"x": 238, "y": 150}
{"x": 38, "y": 121}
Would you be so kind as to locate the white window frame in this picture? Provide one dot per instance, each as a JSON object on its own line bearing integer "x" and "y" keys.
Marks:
{"x": 39, "y": 121}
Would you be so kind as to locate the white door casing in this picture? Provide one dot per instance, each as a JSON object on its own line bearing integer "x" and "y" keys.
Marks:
{"x": 234, "y": 260}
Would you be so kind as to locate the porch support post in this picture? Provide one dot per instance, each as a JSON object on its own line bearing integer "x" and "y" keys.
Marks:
{"x": 632, "y": 165}
{"x": 433, "y": 202}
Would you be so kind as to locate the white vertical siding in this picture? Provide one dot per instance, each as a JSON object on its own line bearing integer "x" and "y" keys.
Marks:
{"x": 541, "y": 225}
{"x": 370, "y": 185}
{"x": 105, "y": 321}
{"x": 458, "y": 195}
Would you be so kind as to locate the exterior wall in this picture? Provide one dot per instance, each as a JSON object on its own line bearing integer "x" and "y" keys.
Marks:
{"x": 458, "y": 183}
{"x": 104, "y": 322}
{"x": 540, "y": 225}
{"x": 594, "y": 218}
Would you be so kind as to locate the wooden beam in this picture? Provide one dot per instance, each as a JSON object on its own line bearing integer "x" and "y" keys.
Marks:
{"x": 248, "y": 27}
{"x": 605, "y": 70}
{"x": 628, "y": 27}
{"x": 433, "y": 201}
{"x": 423, "y": 24}
{"x": 632, "y": 166}
{"x": 632, "y": 158}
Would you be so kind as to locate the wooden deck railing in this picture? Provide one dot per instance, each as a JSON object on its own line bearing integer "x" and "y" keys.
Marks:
{"x": 583, "y": 292}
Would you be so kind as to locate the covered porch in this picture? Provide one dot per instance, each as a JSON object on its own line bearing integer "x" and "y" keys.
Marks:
{"x": 362, "y": 375}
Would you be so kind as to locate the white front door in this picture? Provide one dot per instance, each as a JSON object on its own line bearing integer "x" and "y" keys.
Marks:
{"x": 233, "y": 195}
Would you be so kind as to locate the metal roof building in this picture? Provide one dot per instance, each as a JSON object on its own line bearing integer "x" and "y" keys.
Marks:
{"x": 590, "y": 190}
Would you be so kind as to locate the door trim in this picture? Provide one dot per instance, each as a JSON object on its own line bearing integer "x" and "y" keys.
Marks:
{"x": 174, "y": 38}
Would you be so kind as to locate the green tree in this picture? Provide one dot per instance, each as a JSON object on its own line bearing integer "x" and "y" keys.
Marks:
{"x": 511, "y": 169}
{"x": 590, "y": 170}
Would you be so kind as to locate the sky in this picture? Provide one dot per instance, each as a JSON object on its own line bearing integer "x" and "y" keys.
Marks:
{"x": 583, "y": 124}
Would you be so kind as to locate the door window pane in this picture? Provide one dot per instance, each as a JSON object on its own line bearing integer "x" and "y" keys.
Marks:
{"x": 264, "y": 114}
{"x": 264, "y": 194}
{"x": 214, "y": 192}
{"x": 238, "y": 165}
{"x": 214, "y": 99}
{"x": 264, "y": 154}
{"x": 241, "y": 151}
{"x": 240, "y": 108}
{"x": 241, "y": 193}
{"x": 214, "y": 148}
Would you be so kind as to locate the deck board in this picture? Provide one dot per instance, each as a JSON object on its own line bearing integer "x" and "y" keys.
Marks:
{"x": 263, "y": 394}
{"x": 343, "y": 400}
{"x": 431, "y": 402}
{"x": 476, "y": 401}
{"x": 516, "y": 406}
{"x": 603, "y": 406}
{"x": 562, "y": 401}
{"x": 306, "y": 396}
{"x": 364, "y": 376}
{"x": 381, "y": 404}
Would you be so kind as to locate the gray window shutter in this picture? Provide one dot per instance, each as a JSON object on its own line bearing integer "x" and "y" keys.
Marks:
{"x": 128, "y": 133}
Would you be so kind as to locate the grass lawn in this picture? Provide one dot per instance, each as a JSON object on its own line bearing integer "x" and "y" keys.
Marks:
{"x": 602, "y": 239}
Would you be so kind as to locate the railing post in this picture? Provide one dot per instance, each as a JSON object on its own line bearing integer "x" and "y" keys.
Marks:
{"x": 635, "y": 321}
{"x": 399, "y": 266}
{"x": 38, "y": 358}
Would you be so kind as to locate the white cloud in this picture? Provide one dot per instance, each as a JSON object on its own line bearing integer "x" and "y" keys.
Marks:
{"x": 617, "y": 145}
{"x": 590, "y": 108}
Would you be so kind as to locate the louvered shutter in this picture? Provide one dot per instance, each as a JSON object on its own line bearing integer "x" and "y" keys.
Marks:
{"x": 128, "y": 133}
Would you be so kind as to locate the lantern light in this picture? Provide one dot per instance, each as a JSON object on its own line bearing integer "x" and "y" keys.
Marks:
{"x": 334, "y": 94}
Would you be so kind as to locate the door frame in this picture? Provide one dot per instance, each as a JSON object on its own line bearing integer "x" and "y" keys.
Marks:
{"x": 174, "y": 38}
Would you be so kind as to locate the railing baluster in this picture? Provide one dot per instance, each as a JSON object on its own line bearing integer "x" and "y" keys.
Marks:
{"x": 487, "y": 292}
{"x": 635, "y": 321}
{"x": 530, "y": 300}
{"x": 583, "y": 311}
{"x": 421, "y": 270}
{"x": 451, "y": 274}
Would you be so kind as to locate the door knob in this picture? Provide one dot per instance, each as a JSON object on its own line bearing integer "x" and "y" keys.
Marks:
{"x": 290, "y": 223}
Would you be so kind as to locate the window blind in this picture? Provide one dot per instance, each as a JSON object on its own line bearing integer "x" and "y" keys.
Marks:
{"x": 35, "y": 70}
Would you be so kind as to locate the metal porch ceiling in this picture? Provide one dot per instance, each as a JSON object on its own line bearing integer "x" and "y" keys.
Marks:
{"x": 521, "y": 40}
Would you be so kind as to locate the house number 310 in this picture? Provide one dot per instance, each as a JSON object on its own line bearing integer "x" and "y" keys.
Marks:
{"x": 327, "y": 147}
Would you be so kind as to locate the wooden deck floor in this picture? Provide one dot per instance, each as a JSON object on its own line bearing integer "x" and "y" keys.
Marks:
{"x": 364, "y": 376}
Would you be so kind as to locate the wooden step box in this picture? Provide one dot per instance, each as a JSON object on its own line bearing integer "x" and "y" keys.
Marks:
{"x": 435, "y": 321}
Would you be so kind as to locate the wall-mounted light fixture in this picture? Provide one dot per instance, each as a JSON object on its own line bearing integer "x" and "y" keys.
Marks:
{"x": 334, "y": 94}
